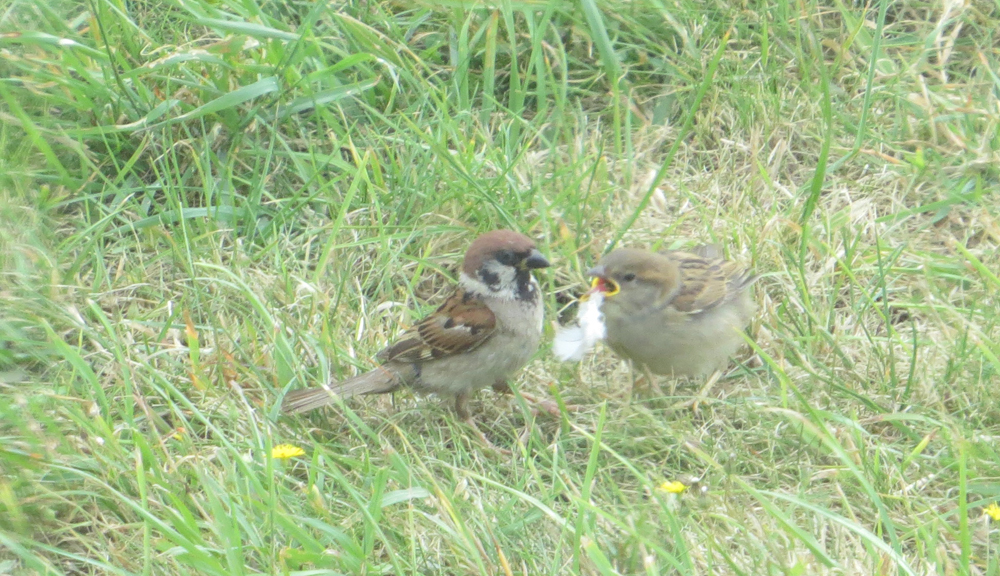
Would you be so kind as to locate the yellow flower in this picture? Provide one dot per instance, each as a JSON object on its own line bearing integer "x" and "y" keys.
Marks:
{"x": 993, "y": 511}
{"x": 674, "y": 487}
{"x": 286, "y": 451}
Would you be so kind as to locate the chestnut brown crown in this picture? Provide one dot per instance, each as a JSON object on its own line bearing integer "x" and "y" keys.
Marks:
{"x": 506, "y": 247}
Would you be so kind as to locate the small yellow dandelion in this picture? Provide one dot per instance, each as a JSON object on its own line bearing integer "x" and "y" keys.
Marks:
{"x": 674, "y": 487}
{"x": 286, "y": 451}
{"x": 993, "y": 511}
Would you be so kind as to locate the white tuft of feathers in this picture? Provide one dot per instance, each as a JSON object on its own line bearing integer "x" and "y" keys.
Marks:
{"x": 573, "y": 342}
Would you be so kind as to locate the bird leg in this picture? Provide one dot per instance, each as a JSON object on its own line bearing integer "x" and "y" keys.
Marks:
{"x": 655, "y": 386}
{"x": 650, "y": 384}
{"x": 462, "y": 406}
{"x": 694, "y": 402}
{"x": 502, "y": 387}
{"x": 462, "y": 409}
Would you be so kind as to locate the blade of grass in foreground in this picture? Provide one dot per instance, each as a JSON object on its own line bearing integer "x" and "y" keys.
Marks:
{"x": 612, "y": 66}
{"x": 864, "y": 533}
{"x": 34, "y": 134}
{"x": 819, "y": 175}
{"x": 588, "y": 483}
{"x": 229, "y": 100}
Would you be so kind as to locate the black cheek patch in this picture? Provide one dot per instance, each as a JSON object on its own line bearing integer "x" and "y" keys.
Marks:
{"x": 491, "y": 279}
{"x": 449, "y": 323}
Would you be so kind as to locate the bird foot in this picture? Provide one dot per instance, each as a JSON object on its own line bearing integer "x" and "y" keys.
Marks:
{"x": 647, "y": 386}
{"x": 694, "y": 404}
{"x": 702, "y": 396}
{"x": 471, "y": 423}
{"x": 550, "y": 407}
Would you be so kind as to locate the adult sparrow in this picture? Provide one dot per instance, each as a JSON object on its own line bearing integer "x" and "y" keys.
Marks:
{"x": 484, "y": 332}
{"x": 674, "y": 312}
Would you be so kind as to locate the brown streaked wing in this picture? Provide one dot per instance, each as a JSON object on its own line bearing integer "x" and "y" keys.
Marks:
{"x": 736, "y": 276}
{"x": 708, "y": 251}
{"x": 704, "y": 283}
{"x": 461, "y": 324}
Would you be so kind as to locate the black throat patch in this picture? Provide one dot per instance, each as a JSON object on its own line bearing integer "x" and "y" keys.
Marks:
{"x": 525, "y": 287}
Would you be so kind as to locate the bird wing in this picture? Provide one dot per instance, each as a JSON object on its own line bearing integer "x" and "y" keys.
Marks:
{"x": 459, "y": 325}
{"x": 706, "y": 280}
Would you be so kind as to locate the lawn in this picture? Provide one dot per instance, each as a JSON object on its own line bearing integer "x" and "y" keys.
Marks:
{"x": 206, "y": 203}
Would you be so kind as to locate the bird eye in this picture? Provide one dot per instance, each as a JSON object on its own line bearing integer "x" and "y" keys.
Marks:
{"x": 628, "y": 277}
{"x": 507, "y": 257}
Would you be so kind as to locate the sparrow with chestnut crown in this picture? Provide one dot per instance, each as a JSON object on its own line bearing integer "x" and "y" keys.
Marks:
{"x": 483, "y": 334}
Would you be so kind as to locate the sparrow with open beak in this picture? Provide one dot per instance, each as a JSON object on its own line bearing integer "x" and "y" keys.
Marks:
{"x": 484, "y": 333}
{"x": 674, "y": 312}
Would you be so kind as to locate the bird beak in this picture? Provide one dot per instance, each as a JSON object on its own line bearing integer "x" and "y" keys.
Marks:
{"x": 536, "y": 260}
{"x": 601, "y": 283}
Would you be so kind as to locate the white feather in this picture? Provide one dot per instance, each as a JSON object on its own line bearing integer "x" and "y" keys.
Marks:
{"x": 573, "y": 342}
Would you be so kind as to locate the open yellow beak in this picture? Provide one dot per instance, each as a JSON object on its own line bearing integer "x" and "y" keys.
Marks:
{"x": 600, "y": 284}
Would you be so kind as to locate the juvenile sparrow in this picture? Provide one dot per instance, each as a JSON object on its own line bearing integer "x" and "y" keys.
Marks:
{"x": 674, "y": 312}
{"x": 484, "y": 332}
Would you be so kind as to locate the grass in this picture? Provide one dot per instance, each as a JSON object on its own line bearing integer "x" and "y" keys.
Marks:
{"x": 207, "y": 202}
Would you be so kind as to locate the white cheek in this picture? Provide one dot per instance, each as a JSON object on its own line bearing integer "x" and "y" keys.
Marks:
{"x": 506, "y": 274}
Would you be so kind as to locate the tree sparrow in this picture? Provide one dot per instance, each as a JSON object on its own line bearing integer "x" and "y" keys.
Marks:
{"x": 484, "y": 332}
{"x": 674, "y": 312}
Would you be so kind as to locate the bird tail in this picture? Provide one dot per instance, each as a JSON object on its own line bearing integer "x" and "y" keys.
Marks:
{"x": 380, "y": 380}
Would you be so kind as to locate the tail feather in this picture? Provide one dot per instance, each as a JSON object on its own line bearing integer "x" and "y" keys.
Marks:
{"x": 379, "y": 381}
